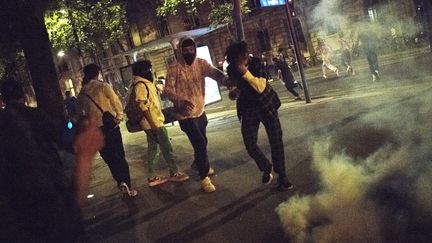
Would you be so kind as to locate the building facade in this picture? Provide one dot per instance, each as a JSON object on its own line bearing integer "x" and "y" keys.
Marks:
{"x": 266, "y": 30}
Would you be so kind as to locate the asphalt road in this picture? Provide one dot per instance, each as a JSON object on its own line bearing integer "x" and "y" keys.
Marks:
{"x": 242, "y": 210}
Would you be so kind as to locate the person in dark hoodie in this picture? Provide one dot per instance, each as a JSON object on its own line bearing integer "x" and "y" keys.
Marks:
{"x": 253, "y": 109}
{"x": 185, "y": 87}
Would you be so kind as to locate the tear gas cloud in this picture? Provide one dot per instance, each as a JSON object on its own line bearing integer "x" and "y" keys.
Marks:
{"x": 383, "y": 195}
{"x": 376, "y": 172}
{"x": 332, "y": 14}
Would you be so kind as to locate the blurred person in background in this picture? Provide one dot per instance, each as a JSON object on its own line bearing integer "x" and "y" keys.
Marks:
{"x": 368, "y": 41}
{"x": 346, "y": 54}
{"x": 326, "y": 55}
{"x": 38, "y": 202}
{"x": 287, "y": 78}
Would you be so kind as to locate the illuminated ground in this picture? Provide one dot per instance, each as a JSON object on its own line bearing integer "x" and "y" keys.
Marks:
{"x": 241, "y": 210}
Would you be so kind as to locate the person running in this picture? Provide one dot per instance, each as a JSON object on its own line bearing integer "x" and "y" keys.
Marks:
{"x": 368, "y": 41}
{"x": 146, "y": 96}
{"x": 185, "y": 87}
{"x": 346, "y": 54}
{"x": 254, "y": 109}
{"x": 95, "y": 95}
{"x": 326, "y": 55}
{"x": 286, "y": 77}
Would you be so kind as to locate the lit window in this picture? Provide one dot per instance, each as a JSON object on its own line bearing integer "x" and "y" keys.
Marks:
{"x": 372, "y": 14}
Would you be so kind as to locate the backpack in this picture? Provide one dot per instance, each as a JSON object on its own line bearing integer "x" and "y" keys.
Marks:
{"x": 133, "y": 113}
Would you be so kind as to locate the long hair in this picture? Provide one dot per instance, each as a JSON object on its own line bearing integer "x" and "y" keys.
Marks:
{"x": 91, "y": 71}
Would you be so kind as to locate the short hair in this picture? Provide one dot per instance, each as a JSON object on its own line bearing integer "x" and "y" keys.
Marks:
{"x": 11, "y": 90}
{"x": 235, "y": 50}
{"x": 142, "y": 68}
{"x": 90, "y": 71}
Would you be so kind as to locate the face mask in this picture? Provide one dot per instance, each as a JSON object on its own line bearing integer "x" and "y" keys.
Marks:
{"x": 149, "y": 76}
{"x": 189, "y": 58}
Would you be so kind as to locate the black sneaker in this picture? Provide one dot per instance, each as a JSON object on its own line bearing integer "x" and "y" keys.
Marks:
{"x": 284, "y": 183}
{"x": 267, "y": 177}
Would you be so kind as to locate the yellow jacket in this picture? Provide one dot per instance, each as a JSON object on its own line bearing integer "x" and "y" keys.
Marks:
{"x": 152, "y": 103}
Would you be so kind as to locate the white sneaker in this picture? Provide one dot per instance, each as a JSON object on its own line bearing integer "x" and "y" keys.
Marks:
{"x": 127, "y": 191}
{"x": 324, "y": 76}
{"x": 207, "y": 185}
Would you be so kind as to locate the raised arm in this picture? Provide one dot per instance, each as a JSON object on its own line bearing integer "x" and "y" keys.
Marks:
{"x": 215, "y": 74}
{"x": 170, "y": 83}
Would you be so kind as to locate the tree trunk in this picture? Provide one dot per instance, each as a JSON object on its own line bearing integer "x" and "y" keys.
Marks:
{"x": 38, "y": 54}
{"x": 238, "y": 20}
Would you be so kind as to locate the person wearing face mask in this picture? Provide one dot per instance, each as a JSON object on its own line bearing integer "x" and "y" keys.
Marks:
{"x": 95, "y": 91}
{"x": 145, "y": 94}
{"x": 185, "y": 87}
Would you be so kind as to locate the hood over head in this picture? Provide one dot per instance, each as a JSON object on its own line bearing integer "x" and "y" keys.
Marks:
{"x": 187, "y": 49}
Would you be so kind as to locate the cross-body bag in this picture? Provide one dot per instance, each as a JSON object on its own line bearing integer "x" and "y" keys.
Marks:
{"x": 108, "y": 119}
{"x": 133, "y": 113}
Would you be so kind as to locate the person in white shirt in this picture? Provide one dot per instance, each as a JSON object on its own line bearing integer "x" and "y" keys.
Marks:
{"x": 96, "y": 93}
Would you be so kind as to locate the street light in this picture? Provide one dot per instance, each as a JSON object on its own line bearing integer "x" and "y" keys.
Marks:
{"x": 61, "y": 53}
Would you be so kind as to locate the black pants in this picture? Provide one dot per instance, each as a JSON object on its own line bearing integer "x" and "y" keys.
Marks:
{"x": 195, "y": 129}
{"x": 291, "y": 89}
{"x": 288, "y": 79}
{"x": 346, "y": 58}
{"x": 249, "y": 128}
{"x": 372, "y": 59}
{"x": 114, "y": 155}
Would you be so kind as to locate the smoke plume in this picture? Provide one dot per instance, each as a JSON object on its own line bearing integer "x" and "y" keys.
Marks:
{"x": 376, "y": 181}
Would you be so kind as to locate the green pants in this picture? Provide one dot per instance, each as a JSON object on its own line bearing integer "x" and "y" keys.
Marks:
{"x": 160, "y": 142}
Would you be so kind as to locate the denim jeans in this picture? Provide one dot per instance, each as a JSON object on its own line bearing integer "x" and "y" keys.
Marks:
{"x": 195, "y": 129}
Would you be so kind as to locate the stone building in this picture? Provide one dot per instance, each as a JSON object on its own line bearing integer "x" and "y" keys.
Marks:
{"x": 265, "y": 30}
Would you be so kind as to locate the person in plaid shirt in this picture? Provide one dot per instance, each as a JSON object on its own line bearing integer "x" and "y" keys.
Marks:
{"x": 254, "y": 96}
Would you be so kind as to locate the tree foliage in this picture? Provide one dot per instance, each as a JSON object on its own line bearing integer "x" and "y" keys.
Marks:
{"x": 172, "y": 7}
{"x": 87, "y": 25}
{"x": 221, "y": 13}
